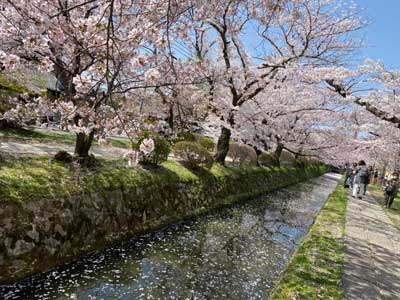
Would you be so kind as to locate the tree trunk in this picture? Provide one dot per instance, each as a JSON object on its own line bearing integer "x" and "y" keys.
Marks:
{"x": 277, "y": 154}
{"x": 223, "y": 145}
{"x": 258, "y": 152}
{"x": 83, "y": 144}
{"x": 170, "y": 119}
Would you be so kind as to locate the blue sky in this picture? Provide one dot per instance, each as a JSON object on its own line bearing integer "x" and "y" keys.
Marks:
{"x": 383, "y": 34}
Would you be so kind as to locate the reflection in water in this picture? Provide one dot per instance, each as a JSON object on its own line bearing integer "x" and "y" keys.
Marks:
{"x": 235, "y": 253}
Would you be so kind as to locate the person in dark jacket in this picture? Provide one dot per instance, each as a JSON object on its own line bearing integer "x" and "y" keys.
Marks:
{"x": 375, "y": 177}
{"x": 347, "y": 175}
{"x": 361, "y": 178}
{"x": 391, "y": 191}
{"x": 370, "y": 175}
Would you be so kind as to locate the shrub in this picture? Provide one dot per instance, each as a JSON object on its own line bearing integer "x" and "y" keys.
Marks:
{"x": 268, "y": 160}
{"x": 287, "y": 159}
{"x": 303, "y": 161}
{"x": 188, "y": 136}
{"x": 160, "y": 149}
{"x": 193, "y": 154}
{"x": 234, "y": 152}
{"x": 208, "y": 143}
{"x": 242, "y": 154}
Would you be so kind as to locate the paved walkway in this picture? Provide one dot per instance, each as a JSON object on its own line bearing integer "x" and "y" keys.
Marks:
{"x": 32, "y": 148}
{"x": 372, "y": 255}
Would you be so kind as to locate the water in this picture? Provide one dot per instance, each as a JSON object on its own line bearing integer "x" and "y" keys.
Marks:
{"x": 234, "y": 253}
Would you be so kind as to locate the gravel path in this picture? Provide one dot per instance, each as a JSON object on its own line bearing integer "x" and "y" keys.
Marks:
{"x": 372, "y": 255}
{"x": 51, "y": 149}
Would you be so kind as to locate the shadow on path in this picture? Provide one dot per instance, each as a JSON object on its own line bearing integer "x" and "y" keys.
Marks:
{"x": 372, "y": 255}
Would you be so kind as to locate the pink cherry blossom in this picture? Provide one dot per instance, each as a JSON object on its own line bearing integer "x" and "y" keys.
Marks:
{"x": 9, "y": 61}
{"x": 147, "y": 146}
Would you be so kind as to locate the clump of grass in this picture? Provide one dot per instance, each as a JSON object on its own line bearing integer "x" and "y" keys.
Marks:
{"x": 317, "y": 268}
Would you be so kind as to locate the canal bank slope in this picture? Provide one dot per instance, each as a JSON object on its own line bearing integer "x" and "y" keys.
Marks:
{"x": 51, "y": 213}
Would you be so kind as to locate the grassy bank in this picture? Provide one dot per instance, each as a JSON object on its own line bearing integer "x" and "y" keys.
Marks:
{"x": 28, "y": 178}
{"x": 394, "y": 212}
{"x": 316, "y": 270}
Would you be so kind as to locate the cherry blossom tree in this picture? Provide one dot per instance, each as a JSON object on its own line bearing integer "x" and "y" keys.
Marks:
{"x": 372, "y": 93}
{"x": 101, "y": 51}
{"x": 121, "y": 63}
{"x": 292, "y": 115}
{"x": 303, "y": 32}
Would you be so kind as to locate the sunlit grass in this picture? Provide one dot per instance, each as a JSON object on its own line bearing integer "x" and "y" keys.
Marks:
{"x": 27, "y": 178}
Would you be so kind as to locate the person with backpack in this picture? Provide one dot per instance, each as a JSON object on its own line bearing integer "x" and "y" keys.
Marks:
{"x": 391, "y": 191}
{"x": 361, "y": 178}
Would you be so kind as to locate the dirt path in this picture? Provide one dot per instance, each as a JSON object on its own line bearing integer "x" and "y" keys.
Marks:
{"x": 21, "y": 148}
{"x": 372, "y": 255}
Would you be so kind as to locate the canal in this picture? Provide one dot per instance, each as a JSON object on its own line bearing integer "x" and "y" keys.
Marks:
{"x": 234, "y": 253}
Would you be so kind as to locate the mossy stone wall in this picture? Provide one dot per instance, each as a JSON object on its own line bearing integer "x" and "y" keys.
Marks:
{"x": 39, "y": 234}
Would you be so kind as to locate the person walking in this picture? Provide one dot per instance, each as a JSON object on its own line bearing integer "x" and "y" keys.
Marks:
{"x": 375, "y": 177}
{"x": 353, "y": 174}
{"x": 347, "y": 175}
{"x": 370, "y": 175}
{"x": 385, "y": 180}
{"x": 391, "y": 191}
{"x": 360, "y": 179}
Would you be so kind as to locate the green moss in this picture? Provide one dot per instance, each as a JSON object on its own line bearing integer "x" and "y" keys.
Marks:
{"x": 220, "y": 171}
{"x": 28, "y": 178}
{"x": 181, "y": 172}
{"x": 38, "y": 81}
{"x": 316, "y": 270}
{"x": 11, "y": 86}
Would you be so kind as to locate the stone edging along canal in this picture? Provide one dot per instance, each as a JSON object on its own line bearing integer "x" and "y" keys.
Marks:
{"x": 316, "y": 269}
{"x": 40, "y": 234}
